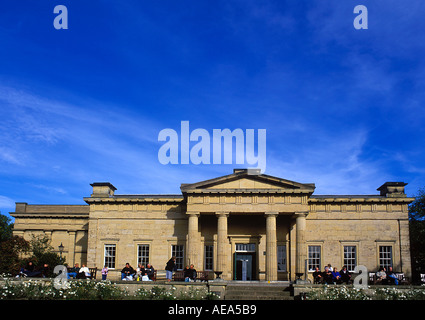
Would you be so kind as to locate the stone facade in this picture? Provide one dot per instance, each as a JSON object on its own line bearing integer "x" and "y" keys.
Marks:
{"x": 249, "y": 226}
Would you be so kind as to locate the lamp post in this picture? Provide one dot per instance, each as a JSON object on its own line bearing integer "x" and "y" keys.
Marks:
{"x": 61, "y": 250}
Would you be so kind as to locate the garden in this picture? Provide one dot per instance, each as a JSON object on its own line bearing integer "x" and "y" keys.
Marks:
{"x": 46, "y": 289}
{"x": 331, "y": 292}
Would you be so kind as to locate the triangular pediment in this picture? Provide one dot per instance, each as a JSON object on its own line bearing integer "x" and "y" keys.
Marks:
{"x": 243, "y": 180}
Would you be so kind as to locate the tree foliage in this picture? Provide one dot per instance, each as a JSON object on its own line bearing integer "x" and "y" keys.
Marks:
{"x": 417, "y": 233}
{"x": 6, "y": 228}
{"x": 15, "y": 251}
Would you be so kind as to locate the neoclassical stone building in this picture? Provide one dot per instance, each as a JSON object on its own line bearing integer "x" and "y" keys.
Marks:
{"x": 248, "y": 225}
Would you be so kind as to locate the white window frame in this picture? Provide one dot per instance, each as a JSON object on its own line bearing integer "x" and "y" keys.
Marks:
{"x": 348, "y": 260}
{"x": 107, "y": 255}
{"x": 245, "y": 247}
{"x": 141, "y": 257}
{"x": 179, "y": 254}
{"x": 317, "y": 260}
{"x": 385, "y": 256}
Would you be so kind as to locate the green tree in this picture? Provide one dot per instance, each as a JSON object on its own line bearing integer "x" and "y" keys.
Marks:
{"x": 6, "y": 228}
{"x": 11, "y": 252}
{"x": 417, "y": 234}
{"x": 43, "y": 253}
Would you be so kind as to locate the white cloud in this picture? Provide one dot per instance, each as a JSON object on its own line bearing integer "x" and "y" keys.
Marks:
{"x": 333, "y": 162}
{"x": 6, "y": 202}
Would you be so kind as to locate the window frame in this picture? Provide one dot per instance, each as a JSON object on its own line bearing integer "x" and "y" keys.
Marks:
{"x": 112, "y": 257}
{"x": 309, "y": 259}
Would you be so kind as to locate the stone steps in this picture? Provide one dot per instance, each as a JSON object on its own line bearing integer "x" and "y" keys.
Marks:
{"x": 258, "y": 292}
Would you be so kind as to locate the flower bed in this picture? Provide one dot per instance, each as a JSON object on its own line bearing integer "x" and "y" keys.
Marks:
{"x": 93, "y": 290}
{"x": 371, "y": 293}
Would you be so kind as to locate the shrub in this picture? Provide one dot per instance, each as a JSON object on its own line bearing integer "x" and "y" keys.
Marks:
{"x": 350, "y": 293}
{"x": 337, "y": 293}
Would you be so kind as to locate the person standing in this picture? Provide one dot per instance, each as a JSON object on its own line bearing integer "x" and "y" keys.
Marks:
{"x": 169, "y": 268}
{"x": 104, "y": 272}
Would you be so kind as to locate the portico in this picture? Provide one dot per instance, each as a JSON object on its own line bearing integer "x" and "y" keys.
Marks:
{"x": 246, "y": 195}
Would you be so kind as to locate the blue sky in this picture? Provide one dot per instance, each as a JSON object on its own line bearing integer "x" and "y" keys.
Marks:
{"x": 343, "y": 108}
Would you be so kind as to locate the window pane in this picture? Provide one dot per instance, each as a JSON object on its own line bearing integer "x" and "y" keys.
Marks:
{"x": 178, "y": 252}
{"x": 385, "y": 256}
{"x": 143, "y": 254}
{"x": 313, "y": 257}
{"x": 350, "y": 257}
{"x": 281, "y": 258}
{"x": 209, "y": 254}
{"x": 245, "y": 247}
{"x": 109, "y": 258}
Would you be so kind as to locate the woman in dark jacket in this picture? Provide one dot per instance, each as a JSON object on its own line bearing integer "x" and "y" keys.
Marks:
{"x": 170, "y": 267}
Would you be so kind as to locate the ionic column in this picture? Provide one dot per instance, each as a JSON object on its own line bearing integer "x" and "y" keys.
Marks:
{"x": 192, "y": 239}
{"x": 301, "y": 249}
{"x": 221, "y": 241}
{"x": 271, "y": 246}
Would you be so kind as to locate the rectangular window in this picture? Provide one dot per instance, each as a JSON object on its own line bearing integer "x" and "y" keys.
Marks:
{"x": 209, "y": 254}
{"x": 313, "y": 257}
{"x": 385, "y": 256}
{"x": 143, "y": 254}
{"x": 350, "y": 257}
{"x": 245, "y": 247}
{"x": 178, "y": 252}
{"x": 281, "y": 258}
{"x": 109, "y": 256}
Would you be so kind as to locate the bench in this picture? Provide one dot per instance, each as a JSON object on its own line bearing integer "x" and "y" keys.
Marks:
{"x": 372, "y": 278}
{"x": 93, "y": 272}
{"x": 200, "y": 276}
{"x": 401, "y": 278}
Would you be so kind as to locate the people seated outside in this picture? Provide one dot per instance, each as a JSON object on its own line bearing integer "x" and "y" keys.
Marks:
{"x": 127, "y": 273}
{"x": 140, "y": 271}
{"x": 84, "y": 273}
{"x": 150, "y": 271}
{"x": 74, "y": 271}
{"x": 327, "y": 276}
{"x": 317, "y": 276}
{"x": 29, "y": 270}
{"x": 345, "y": 275}
{"x": 381, "y": 276}
{"x": 391, "y": 276}
{"x": 190, "y": 273}
{"x": 336, "y": 276}
{"x": 145, "y": 277}
{"x": 45, "y": 271}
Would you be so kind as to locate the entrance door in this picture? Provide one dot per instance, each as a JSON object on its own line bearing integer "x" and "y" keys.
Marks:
{"x": 244, "y": 266}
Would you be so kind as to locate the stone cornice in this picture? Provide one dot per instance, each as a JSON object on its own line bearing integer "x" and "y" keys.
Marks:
{"x": 49, "y": 215}
{"x": 248, "y": 191}
{"x": 358, "y": 199}
{"x": 134, "y": 199}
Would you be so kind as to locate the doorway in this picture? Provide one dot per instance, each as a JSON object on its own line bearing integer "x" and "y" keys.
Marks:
{"x": 245, "y": 262}
{"x": 244, "y": 269}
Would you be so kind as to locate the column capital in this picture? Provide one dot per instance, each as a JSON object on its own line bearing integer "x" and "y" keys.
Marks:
{"x": 222, "y": 214}
{"x": 271, "y": 213}
{"x": 193, "y": 213}
{"x": 301, "y": 214}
